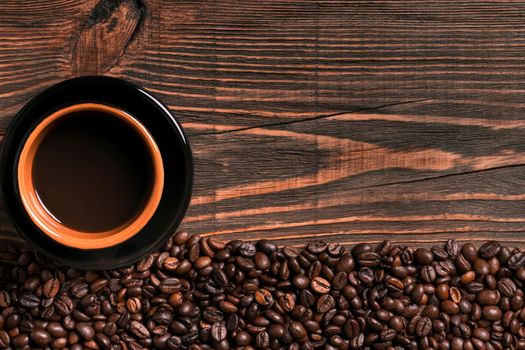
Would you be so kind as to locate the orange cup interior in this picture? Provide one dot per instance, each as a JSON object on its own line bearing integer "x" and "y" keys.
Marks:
{"x": 54, "y": 228}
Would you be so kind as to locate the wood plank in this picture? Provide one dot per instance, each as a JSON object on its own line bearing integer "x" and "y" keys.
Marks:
{"x": 346, "y": 120}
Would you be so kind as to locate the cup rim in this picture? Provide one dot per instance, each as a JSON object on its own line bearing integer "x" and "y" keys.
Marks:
{"x": 68, "y": 236}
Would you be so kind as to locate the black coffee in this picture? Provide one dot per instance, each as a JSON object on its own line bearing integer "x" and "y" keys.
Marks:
{"x": 92, "y": 171}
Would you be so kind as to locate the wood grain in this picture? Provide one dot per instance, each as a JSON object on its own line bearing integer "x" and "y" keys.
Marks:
{"x": 346, "y": 120}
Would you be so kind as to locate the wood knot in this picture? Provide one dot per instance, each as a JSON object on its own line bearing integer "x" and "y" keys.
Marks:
{"x": 105, "y": 36}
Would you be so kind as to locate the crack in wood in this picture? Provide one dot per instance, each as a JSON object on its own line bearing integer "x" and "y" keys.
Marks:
{"x": 325, "y": 116}
{"x": 439, "y": 176}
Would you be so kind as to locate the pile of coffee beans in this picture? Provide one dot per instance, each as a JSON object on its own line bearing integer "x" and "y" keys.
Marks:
{"x": 199, "y": 293}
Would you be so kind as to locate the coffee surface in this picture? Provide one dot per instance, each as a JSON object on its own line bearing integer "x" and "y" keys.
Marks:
{"x": 92, "y": 171}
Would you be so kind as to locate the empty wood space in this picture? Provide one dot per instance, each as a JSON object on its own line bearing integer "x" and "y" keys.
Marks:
{"x": 348, "y": 121}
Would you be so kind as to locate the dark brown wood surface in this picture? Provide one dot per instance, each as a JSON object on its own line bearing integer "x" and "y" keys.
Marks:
{"x": 344, "y": 120}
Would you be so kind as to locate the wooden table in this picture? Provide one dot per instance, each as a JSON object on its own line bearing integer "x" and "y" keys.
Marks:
{"x": 348, "y": 121}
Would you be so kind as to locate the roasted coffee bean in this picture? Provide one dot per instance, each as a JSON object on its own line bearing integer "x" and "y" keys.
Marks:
{"x": 133, "y": 305}
{"x": 29, "y": 301}
{"x": 243, "y": 338}
{"x": 51, "y": 288}
{"x": 133, "y": 292}
{"x": 481, "y": 333}
{"x": 5, "y": 340}
{"x": 202, "y": 262}
{"x": 325, "y": 303}
{"x": 20, "y": 341}
{"x": 306, "y": 297}
{"x": 468, "y": 277}
{"x": 162, "y": 317}
{"x": 139, "y": 330}
{"x": 186, "y": 309}
{"x": 368, "y": 259}
{"x": 103, "y": 341}
{"x": 276, "y": 331}
{"x": 232, "y": 322}
{"x": 488, "y": 297}
{"x": 507, "y": 287}
{"x": 110, "y": 328}
{"x": 320, "y": 285}
{"x": 219, "y": 277}
{"x": 345, "y": 264}
{"x": 245, "y": 264}
{"x": 287, "y": 302}
{"x": 262, "y": 262}
{"x": 516, "y": 261}
{"x": 418, "y": 294}
{"x": 387, "y": 335}
{"x": 357, "y": 342}
{"x": 262, "y": 340}
{"x": 452, "y": 247}
{"x": 462, "y": 264}
{"x": 366, "y": 275}
{"x": 263, "y": 297}
{"x": 63, "y": 305}
{"x": 481, "y": 267}
{"x": 489, "y": 249}
{"x": 212, "y": 314}
{"x": 218, "y": 332}
{"x": 439, "y": 253}
{"x": 340, "y": 280}
{"x": 173, "y": 264}
{"x": 25, "y": 326}
{"x": 300, "y": 281}
{"x": 469, "y": 251}
{"x": 297, "y": 330}
{"x": 455, "y": 294}
{"x": 146, "y": 263}
{"x": 5, "y": 299}
{"x": 491, "y": 313}
{"x": 174, "y": 343}
{"x": 98, "y": 285}
{"x": 85, "y": 330}
{"x": 247, "y": 249}
{"x": 200, "y": 294}
{"x": 170, "y": 285}
{"x": 406, "y": 255}
{"x": 79, "y": 290}
{"x": 227, "y": 307}
{"x": 423, "y": 256}
{"x": 56, "y": 330}
{"x": 450, "y": 307}
{"x": 316, "y": 247}
{"x": 176, "y": 299}
{"x": 474, "y": 287}
{"x": 352, "y": 328}
{"x": 40, "y": 337}
{"x": 362, "y": 248}
{"x": 397, "y": 323}
{"x": 180, "y": 238}
{"x": 428, "y": 274}
{"x": 266, "y": 246}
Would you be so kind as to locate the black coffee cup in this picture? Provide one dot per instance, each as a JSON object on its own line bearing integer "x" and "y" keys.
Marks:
{"x": 96, "y": 172}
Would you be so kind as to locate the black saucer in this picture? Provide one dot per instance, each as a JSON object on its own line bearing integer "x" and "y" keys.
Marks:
{"x": 169, "y": 136}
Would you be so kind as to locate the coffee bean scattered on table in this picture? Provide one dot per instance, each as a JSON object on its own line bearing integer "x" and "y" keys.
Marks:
{"x": 199, "y": 293}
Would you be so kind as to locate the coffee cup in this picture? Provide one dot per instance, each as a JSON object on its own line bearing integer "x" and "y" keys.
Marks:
{"x": 96, "y": 172}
